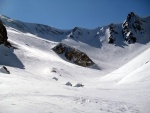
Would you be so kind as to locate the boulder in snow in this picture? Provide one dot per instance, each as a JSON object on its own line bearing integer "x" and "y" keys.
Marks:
{"x": 54, "y": 70}
{"x": 79, "y": 85}
{"x": 3, "y": 35}
{"x": 73, "y": 55}
{"x": 55, "y": 78}
{"x": 68, "y": 84}
{"x": 4, "y": 70}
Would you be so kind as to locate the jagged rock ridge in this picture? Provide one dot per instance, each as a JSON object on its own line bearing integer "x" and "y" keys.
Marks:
{"x": 113, "y": 33}
{"x": 132, "y": 24}
{"x": 126, "y": 32}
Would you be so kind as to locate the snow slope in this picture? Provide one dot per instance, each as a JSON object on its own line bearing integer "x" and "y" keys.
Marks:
{"x": 38, "y": 75}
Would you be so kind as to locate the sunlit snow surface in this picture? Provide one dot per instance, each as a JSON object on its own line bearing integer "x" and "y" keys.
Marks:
{"x": 122, "y": 85}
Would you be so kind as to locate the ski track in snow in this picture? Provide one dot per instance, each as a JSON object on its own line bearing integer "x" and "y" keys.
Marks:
{"x": 80, "y": 104}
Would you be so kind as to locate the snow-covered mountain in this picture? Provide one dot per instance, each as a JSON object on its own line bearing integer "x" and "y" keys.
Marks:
{"x": 104, "y": 70}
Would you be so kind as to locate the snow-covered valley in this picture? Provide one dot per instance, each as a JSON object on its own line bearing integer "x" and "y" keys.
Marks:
{"x": 41, "y": 81}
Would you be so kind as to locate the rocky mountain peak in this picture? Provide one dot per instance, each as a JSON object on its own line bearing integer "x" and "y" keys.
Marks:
{"x": 131, "y": 26}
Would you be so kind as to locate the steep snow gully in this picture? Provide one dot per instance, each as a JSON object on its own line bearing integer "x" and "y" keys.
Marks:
{"x": 36, "y": 79}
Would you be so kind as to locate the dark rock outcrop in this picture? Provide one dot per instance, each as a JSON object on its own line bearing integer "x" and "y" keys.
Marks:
{"x": 4, "y": 70}
{"x": 132, "y": 24}
{"x": 3, "y": 35}
{"x": 79, "y": 85}
{"x": 113, "y": 33}
{"x": 75, "y": 33}
{"x": 73, "y": 55}
{"x": 55, "y": 78}
{"x": 68, "y": 84}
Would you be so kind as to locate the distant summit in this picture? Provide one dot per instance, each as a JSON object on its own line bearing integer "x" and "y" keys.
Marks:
{"x": 132, "y": 25}
{"x": 129, "y": 31}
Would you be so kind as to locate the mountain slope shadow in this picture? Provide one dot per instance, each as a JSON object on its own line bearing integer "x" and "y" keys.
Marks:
{"x": 8, "y": 58}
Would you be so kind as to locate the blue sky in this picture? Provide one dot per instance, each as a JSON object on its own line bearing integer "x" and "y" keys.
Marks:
{"x": 67, "y": 14}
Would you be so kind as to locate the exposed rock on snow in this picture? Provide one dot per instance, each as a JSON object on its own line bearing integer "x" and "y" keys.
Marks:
{"x": 3, "y": 35}
{"x": 54, "y": 70}
{"x": 73, "y": 55}
{"x": 4, "y": 70}
{"x": 113, "y": 34}
{"x": 79, "y": 85}
{"x": 55, "y": 78}
{"x": 68, "y": 84}
{"x": 132, "y": 24}
{"x": 75, "y": 33}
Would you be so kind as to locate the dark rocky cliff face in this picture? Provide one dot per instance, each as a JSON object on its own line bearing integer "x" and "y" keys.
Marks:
{"x": 131, "y": 28}
{"x": 73, "y": 55}
{"x": 3, "y": 35}
{"x": 132, "y": 24}
{"x": 113, "y": 34}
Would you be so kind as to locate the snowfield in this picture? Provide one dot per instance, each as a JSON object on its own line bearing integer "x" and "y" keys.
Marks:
{"x": 38, "y": 76}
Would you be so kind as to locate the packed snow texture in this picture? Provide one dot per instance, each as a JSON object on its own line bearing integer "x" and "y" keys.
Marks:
{"x": 40, "y": 81}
